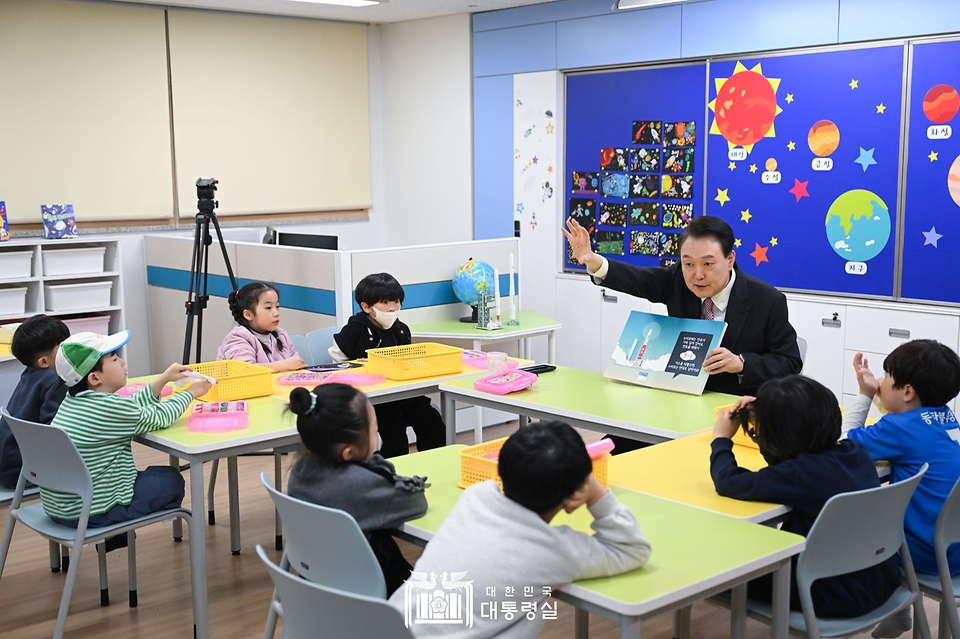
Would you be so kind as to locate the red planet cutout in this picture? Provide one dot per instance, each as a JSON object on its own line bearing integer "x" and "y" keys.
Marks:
{"x": 745, "y": 108}
{"x": 941, "y": 104}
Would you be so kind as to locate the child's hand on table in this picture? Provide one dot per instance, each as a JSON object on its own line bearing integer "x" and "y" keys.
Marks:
{"x": 865, "y": 378}
{"x": 200, "y": 387}
{"x": 291, "y": 363}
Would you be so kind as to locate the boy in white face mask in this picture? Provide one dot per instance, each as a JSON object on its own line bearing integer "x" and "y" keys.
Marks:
{"x": 380, "y": 297}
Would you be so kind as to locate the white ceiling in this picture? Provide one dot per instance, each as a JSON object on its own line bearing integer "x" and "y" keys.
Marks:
{"x": 392, "y": 11}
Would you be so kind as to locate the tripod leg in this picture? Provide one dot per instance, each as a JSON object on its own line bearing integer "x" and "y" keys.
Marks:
{"x": 191, "y": 299}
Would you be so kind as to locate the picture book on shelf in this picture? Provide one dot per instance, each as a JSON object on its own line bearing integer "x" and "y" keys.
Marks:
{"x": 58, "y": 221}
{"x": 664, "y": 352}
{"x": 4, "y": 227}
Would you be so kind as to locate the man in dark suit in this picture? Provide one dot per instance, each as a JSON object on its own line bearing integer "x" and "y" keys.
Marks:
{"x": 759, "y": 343}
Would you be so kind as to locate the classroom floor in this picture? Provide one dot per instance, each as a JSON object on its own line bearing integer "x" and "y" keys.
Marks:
{"x": 239, "y": 587}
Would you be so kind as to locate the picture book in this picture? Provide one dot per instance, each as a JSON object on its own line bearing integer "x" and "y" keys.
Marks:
{"x": 4, "y": 227}
{"x": 664, "y": 352}
{"x": 58, "y": 221}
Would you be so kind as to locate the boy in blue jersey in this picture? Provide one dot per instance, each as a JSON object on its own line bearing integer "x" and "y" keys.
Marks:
{"x": 918, "y": 428}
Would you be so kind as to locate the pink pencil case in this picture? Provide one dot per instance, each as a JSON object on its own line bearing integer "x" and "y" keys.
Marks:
{"x": 355, "y": 379}
{"x": 133, "y": 388}
{"x": 478, "y": 359}
{"x": 218, "y": 417}
{"x": 505, "y": 382}
{"x": 304, "y": 378}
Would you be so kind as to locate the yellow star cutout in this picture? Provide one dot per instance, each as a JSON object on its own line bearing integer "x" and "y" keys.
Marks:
{"x": 737, "y": 243}
{"x": 881, "y": 108}
{"x": 789, "y": 98}
{"x": 753, "y": 168}
{"x": 745, "y": 216}
{"x": 933, "y": 156}
{"x": 791, "y": 145}
{"x": 722, "y": 196}
{"x": 549, "y": 128}
{"x": 773, "y": 241}
{"x": 854, "y": 84}
{"x": 732, "y": 165}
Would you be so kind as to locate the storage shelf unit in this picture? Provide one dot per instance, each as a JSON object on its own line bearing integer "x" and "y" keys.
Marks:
{"x": 48, "y": 255}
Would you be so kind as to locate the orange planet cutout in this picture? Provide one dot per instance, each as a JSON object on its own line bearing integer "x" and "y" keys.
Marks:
{"x": 823, "y": 138}
{"x": 745, "y": 107}
{"x": 941, "y": 104}
{"x": 771, "y": 165}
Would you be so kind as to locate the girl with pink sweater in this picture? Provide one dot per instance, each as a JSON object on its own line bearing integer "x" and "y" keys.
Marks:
{"x": 258, "y": 338}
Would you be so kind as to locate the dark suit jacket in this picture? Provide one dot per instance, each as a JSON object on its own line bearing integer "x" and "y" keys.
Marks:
{"x": 756, "y": 317}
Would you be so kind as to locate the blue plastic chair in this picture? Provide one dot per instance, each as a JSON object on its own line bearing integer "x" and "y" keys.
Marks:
{"x": 51, "y": 460}
{"x": 303, "y": 349}
{"x": 855, "y": 531}
{"x": 943, "y": 586}
{"x": 311, "y": 608}
{"x": 325, "y": 546}
{"x": 319, "y": 341}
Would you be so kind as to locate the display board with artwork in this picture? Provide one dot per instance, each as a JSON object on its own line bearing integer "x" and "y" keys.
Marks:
{"x": 931, "y": 237}
{"x": 634, "y": 160}
{"x": 803, "y": 162}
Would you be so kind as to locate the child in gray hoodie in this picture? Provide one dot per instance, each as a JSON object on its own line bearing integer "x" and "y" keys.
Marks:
{"x": 503, "y": 543}
{"x": 338, "y": 467}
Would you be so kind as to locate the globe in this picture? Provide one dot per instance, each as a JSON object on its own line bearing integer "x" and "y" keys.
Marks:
{"x": 858, "y": 225}
{"x": 472, "y": 277}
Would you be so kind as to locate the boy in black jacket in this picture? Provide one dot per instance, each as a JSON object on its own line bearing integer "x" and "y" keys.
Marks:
{"x": 39, "y": 392}
{"x": 376, "y": 326}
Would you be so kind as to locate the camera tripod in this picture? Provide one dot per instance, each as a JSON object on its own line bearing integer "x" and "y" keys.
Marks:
{"x": 197, "y": 295}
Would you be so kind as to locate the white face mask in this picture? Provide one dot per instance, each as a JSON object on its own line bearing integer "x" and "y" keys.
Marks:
{"x": 384, "y": 318}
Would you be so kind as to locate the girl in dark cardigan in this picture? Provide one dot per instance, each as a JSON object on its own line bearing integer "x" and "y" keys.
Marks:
{"x": 795, "y": 421}
{"x": 338, "y": 467}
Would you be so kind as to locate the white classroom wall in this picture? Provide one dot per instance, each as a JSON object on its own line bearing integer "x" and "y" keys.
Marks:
{"x": 420, "y": 126}
{"x": 427, "y": 130}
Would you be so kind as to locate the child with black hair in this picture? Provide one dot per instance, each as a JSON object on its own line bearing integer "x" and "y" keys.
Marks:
{"x": 919, "y": 428}
{"x": 38, "y": 393}
{"x": 376, "y": 326}
{"x": 258, "y": 338}
{"x": 103, "y": 424}
{"x": 795, "y": 421}
{"x": 338, "y": 467}
{"x": 503, "y": 539}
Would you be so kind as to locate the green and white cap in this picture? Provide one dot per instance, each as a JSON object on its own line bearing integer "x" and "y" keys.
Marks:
{"x": 79, "y": 353}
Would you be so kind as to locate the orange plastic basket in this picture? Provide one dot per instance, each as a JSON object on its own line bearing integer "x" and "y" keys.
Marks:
{"x": 415, "y": 360}
{"x": 474, "y": 467}
{"x": 235, "y": 380}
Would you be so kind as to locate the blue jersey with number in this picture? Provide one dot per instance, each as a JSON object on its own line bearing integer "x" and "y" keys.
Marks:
{"x": 926, "y": 435}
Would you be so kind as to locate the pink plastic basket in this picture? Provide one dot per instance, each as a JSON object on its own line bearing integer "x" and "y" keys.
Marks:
{"x": 505, "y": 382}
{"x": 218, "y": 417}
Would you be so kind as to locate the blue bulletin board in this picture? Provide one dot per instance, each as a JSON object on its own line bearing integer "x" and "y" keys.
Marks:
{"x": 803, "y": 163}
{"x": 931, "y": 238}
{"x": 635, "y": 159}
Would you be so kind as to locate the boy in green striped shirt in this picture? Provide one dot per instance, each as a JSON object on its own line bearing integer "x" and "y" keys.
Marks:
{"x": 102, "y": 425}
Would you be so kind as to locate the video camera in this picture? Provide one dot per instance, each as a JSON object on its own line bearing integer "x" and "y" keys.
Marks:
{"x": 205, "y": 190}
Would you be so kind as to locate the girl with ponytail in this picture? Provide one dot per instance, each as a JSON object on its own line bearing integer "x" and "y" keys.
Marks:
{"x": 338, "y": 467}
{"x": 258, "y": 338}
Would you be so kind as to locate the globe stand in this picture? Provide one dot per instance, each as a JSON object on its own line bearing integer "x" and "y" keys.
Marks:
{"x": 472, "y": 318}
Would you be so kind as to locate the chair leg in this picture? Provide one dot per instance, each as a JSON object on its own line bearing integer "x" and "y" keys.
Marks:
{"x": 5, "y": 545}
{"x": 104, "y": 586}
{"x": 272, "y": 616}
{"x": 132, "y": 567}
{"x": 71, "y": 580}
{"x": 920, "y": 624}
{"x": 64, "y": 558}
{"x": 943, "y": 629}
{"x": 211, "y": 515}
{"x": 54, "y": 556}
{"x": 278, "y": 483}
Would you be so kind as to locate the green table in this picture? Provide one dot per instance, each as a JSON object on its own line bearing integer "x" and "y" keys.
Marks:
{"x": 696, "y": 553}
{"x": 586, "y": 399}
{"x": 531, "y": 324}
